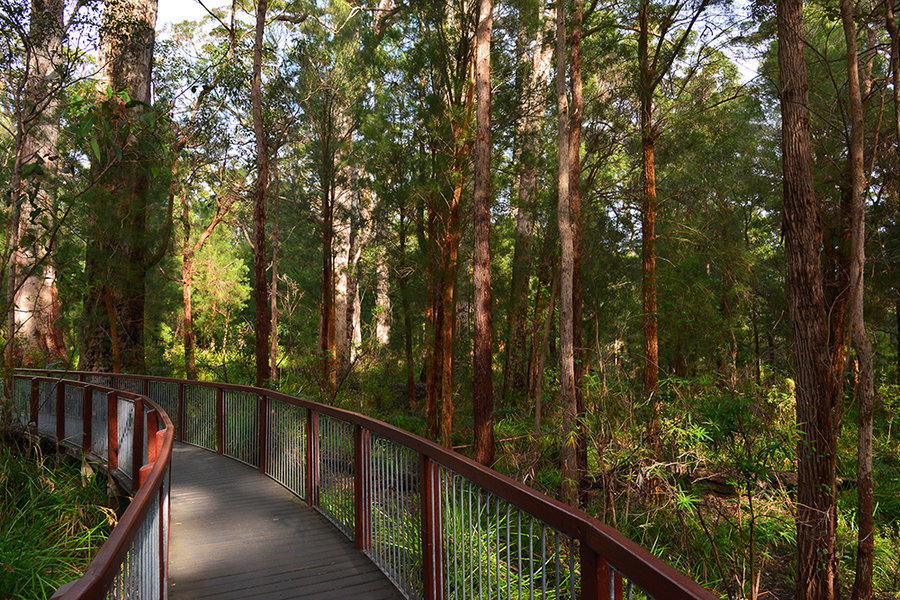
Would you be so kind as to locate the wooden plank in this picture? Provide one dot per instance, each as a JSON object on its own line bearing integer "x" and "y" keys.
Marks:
{"x": 237, "y": 534}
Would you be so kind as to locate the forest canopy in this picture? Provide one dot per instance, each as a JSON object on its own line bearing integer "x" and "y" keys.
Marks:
{"x": 642, "y": 255}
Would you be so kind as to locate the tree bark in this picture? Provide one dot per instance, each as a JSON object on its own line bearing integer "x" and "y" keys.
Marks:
{"x": 865, "y": 552}
{"x": 273, "y": 291}
{"x": 648, "y": 224}
{"x": 575, "y": 218}
{"x": 260, "y": 285}
{"x": 816, "y": 451}
{"x": 187, "y": 284}
{"x": 116, "y": 257}
{"x": 528, "y": 138}
{"x": 482, "y": 381}
{"x": 32, "y": 284}
{"x": 567, "y": 269}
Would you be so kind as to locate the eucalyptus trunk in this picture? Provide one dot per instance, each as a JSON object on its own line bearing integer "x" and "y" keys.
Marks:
{"x": 567, "y": 270}
{"x": 482, "y": 382}
{"x": 34, "y": 305}
{"x": 865, "y": 390}
{"x": 260, "y": 285}
{"x": 117, "y": 255}
{"x": 817, "y": 448}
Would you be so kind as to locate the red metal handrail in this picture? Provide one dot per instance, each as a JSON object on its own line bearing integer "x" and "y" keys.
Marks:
{"x": 148, "y": 478}
{"x": 609, "y": 564}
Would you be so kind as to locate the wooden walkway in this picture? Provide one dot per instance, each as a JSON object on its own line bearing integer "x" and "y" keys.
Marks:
{"x": 237, "y": 534}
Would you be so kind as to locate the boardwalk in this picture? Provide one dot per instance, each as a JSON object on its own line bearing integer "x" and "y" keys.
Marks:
{"x": 237, "y": 534}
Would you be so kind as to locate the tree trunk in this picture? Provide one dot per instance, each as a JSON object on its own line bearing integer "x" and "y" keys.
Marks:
{"x": 434, "y": 318}
{"x": 865, "y": 553}
{"x": 482, "y": 381}
{"x": 648, "y": 226}
{"x": 816, "y": 451}
{"x": 341, "y": 250}
{"x": 116, "y": 258}
{"x": 567, "y": 270}
{"x": 273, "y": 291}
{"x": 260, "y": 285}
{"x": 528, "y": 138}
{"x": 35, "y": 301}
{"x": 407, "y": 317}
{"x": 327, "y": 317}
{"x": 187, "y": 283}
{"x": 383, "y": 286}
{"x": 538, "y": 395}
{"x": 575, "y": 219}
{"x": 447, "y": 309}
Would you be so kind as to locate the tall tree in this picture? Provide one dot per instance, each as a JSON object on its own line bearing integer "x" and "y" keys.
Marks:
{"x": 577, "y": 116}
{"x": 816, "y": 449}
{"x": 656, "y": 56}
{"x": 865, "y": 390}
{"x": 483, "y": 375}
{"x": 260, "y": 285}
{"x": 531, "y": 105}
{"x": 119, "y": 252}
{"x": 34, "y": 306}
{"x": 567, "y": 272}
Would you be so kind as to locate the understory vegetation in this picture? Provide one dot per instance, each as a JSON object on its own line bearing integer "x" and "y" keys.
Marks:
{"x": 53, "y": 519}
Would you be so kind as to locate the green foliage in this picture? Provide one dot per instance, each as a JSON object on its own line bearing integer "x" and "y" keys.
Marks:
{"x": 52, "y": 517}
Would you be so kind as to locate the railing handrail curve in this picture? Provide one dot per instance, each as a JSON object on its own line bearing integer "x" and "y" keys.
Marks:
{"x": 629, "y": 558}
{"x": 103, "y": 569}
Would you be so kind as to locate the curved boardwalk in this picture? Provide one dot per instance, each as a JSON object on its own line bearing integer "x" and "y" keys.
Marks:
{"x": 237, "y": 534}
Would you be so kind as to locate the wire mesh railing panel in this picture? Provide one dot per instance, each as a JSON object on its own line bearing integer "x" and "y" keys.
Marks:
{"x": 128, "y": 384}
{"x": 46, "y": 423}
{"x": 394, "y": 526}
{"x": 200, "y": 416}
{"x": 335, "y": 468}
{"x": 286, "y": 446}
{"x": 21, "y": 401}
{"x": 99, "y": 433}
{"x": 73, "y": 410}
{"x": 493, "y": 549}
{"x": 619, "y": 587}
{"x": 139, "y": 575}
{"x": 104, "y": 380}
{"x": 241, "y": 430}
{"x": 165, "y": 393}
{"x": 126, "y": 436}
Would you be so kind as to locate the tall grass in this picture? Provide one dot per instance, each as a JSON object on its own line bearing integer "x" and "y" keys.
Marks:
{"x": 52, "y": 520}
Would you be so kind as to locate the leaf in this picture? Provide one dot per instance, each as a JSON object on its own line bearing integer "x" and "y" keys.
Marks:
{"x": 95, "y": 147}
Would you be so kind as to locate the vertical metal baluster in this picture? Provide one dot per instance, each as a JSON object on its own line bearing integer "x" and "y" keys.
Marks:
{"x": 519, "y": 549}
{"x": 556, "y": 562}
{"x": 571, "y": 569}
{"x": 543, "y": 561}
{"x": 508, "y": 553}
{"x": 531, "y": 555}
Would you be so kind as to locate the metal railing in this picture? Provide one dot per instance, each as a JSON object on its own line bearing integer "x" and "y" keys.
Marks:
{"x": 131, "y": 437}
{"x": 439, "y": 525}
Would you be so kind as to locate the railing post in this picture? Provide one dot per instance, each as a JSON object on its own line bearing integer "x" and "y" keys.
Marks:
{"x": 431, "y": 530}
{"x": 112, "y": 430}
{"x": 153, "y": 441}
{"x": 180, "y": 431}
{"x": 137, "y": 445}
{"x": 262, "y": 421}
{"x": 220, "y": 420}
{"x": 312, "y": 458}
{"x": 60, "y": 411}
{"x": 34, "y": 404}
{"x": 360, "y": 489}
{"x": 594, "y": 573}
{"x": 87, "y": 418}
